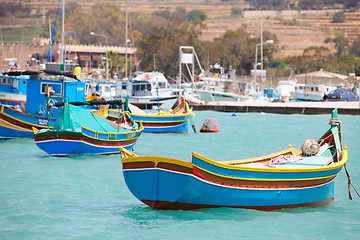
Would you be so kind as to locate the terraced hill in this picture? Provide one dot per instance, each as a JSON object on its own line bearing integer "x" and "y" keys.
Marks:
{"x": 296, "y": 30}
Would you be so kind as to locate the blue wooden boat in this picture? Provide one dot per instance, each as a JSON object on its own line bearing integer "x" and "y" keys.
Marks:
{"x": 258, "y": 183}
{"x": 79, "y": 131}
{"x": 12, "y": 90}
{"x": 174, "y": 121}
{"x": 43, "y": 92}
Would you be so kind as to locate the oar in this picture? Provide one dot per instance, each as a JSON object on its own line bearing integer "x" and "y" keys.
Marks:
{"x": 191, "y": 118}
{"x": 192, "y": 123}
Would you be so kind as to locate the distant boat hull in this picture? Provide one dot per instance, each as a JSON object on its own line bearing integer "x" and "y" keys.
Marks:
{"x": 147, "y": 101}
{"x": 65, "y": 143}
{"x": 12, "y": 99}
{"x": 15, "y": 124}
{"x": 211, "y": 96}
{"x": 298, "y": 96}
{"x": 160, "y": 122}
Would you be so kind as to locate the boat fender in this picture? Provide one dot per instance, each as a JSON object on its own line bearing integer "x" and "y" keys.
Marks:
{"x": 310, "y": 147}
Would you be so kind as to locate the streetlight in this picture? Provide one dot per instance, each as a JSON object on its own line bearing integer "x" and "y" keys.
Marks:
{"x": 107, "y": 58}
{"x": 256, "y": 63}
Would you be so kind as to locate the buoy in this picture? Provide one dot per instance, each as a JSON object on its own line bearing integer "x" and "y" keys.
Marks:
{"x": 233, "y": 115}
{"x": 210, "y": 125}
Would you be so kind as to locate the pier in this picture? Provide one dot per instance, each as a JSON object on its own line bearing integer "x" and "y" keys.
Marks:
{"x": 349, "y": 108}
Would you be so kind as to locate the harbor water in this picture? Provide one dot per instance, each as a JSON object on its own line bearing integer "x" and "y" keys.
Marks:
{"x": 85, "y": 197}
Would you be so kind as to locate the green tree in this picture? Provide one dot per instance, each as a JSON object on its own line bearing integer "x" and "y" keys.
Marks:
{"x": 338, "y": 17}
{"x": 164, "y": 43}
{"x": 196, "y": 15}
{"x": 236, "y": 11}
{"x": 341, "y": 44}
{"x": 355, "y": 49}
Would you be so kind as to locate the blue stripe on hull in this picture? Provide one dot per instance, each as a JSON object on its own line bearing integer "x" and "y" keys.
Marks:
{"x": 158, "y": 118}
{"x": 6, "y": 132}
{"x": 68, "y": 147}
{"x": 178, "y": 128}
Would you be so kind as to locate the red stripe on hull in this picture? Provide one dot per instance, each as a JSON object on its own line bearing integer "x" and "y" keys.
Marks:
{"x": 165, "y": 205}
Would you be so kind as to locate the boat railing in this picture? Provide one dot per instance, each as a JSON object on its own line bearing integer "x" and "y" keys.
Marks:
{"x": 109, "y": 136}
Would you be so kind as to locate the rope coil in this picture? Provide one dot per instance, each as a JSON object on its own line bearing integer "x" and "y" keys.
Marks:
{"x": 334, "y": 122}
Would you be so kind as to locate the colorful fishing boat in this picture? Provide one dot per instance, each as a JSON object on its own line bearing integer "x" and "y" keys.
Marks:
{"x": 287, "y": 179}
{"x": 79, "y": 131}
{"x": 174, "y": 121}
{"x": 43, "y": 92}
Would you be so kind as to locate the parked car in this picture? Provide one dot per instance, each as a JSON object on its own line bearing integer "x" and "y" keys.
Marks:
{"x": 341, "y": 95}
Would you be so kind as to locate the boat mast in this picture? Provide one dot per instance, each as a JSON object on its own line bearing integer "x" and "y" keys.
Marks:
{"x": 62, "y": 35}
{"x": 261, "y": 54}
{"x": 126, "y": 38}
{"x": 50, "y": 35}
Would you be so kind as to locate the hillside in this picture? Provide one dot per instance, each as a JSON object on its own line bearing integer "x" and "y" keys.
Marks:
{"x": 296, "y": 30}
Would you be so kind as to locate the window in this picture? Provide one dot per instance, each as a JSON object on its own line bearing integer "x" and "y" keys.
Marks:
{"x": 57, "y": 87}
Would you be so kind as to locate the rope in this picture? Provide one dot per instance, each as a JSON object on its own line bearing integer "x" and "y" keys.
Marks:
{"x": 350, "y": 183}
{"x": 334, "y": 122}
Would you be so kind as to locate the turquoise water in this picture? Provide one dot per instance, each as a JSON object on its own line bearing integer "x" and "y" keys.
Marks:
{"x": 85, "y": 197}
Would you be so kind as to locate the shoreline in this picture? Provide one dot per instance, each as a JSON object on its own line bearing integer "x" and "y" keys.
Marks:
{"x": 349, "y": 108}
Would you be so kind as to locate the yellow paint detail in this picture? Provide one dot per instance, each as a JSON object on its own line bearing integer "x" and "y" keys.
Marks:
{"x": 7, "y": 125}
{"x": 156, "y": 160}
{"x": 169, "y": 114}
{"x": 141, "y": 128}
{"x": 35, "y": 130}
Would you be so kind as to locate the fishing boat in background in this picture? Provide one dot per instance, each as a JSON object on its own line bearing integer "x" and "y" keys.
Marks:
{"x": 43, "y": 92}
{"x": 79, "y": 131}
{"x": 286, "y": 179}
{"x": 173, "y": 121}
{"x": 12, "y": 90}
{"x": 311, "y": 92}
{"x": 217, "y": 89}
{"x": 150, "y": 89}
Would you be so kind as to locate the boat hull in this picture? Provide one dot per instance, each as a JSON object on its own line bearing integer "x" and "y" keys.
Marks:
{"x": 302, "y": 97}
{"x": 65, "y": 143}
{"x": 211, "y": 96}
{"x": 168, "y": 184}
{"x": 189, "y": 192}
{"x": 15, "y": 124}
{"x": 158, "y": 123}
